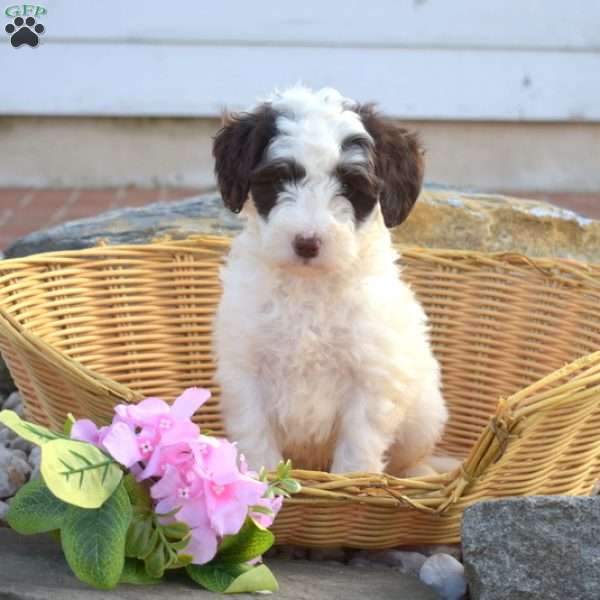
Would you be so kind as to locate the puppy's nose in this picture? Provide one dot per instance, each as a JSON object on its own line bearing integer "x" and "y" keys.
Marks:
{"x": 307, "y": 247}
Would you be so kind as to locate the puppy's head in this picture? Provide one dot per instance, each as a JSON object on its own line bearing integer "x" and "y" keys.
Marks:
{"x": 320, "y": 170}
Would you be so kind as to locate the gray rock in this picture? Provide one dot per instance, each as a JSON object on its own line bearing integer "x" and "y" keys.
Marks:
{"x": 3, "y": 510}
{"x": 13, "y": 401}
{"x": 14, "y": 471}
{"x": 19, "y": 443}
{"x": 20, "y": 453}
{"x": 35, "y": 460}
{"x": 545, "y": 548}
{"x": 32, "y": 568}
{"x": 445, "y": 575}
{"x": 35, "y": 456}
{"x": 203, "y": 214}
{"x": 6, "y": 435}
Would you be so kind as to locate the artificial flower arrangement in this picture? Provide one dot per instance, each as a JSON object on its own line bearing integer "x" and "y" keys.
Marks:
{"x": 149, "y": 493}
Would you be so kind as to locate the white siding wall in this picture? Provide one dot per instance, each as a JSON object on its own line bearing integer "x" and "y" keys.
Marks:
{"x": 506, "y": 60}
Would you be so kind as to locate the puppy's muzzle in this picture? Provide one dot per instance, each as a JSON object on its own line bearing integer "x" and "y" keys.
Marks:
{"x": 307, "y": 247}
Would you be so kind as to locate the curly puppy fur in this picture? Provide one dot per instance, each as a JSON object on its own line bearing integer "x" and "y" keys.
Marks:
{"x": 322, "y": 350}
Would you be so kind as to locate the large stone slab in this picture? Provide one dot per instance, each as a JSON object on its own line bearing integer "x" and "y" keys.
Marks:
{"x": 32, "y": 568}
{"x": 545, "y": 548}
{"x": 442, "y": 219}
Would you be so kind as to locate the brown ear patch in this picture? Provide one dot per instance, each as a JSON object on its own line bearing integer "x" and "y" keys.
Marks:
{"x": 238, "y": 147}
{"x": 398, "y": 164}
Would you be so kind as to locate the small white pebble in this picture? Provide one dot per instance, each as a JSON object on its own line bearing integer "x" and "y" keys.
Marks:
{"x": 453, "y": 550}
{"x": 445, "y": 575}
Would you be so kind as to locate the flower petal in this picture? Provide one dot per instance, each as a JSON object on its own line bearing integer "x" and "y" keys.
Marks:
{"x": 167, "y": 484}
{"x": 121, "y": 444}
{"x": 85, "y": 431}
{"x": 153, "y": 465}
{"x": 189, "y": 402}
{"x": 202, "y": 545}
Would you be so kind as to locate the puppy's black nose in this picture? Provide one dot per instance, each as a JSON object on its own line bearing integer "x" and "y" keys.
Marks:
{"x": 307, "y": 247}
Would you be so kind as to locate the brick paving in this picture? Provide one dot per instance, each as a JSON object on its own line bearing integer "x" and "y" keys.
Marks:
{"x": 23, "y": 210}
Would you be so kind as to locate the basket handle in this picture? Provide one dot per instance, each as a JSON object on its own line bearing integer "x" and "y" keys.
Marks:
{"x": 69, "y": 367}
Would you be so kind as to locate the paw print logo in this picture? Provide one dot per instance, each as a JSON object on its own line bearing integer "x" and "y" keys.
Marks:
{"x": 24, "y": 32}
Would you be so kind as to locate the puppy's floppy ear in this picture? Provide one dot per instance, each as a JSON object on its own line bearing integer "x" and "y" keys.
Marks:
{"x": 398, "y": 164}
{"x": 238, "y": 147}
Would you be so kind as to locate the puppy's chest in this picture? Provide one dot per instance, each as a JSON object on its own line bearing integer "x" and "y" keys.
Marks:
{"x": 306, "y": 350}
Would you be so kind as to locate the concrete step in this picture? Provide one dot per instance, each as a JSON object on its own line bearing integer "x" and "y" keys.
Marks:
{"x": 33, "y": 568}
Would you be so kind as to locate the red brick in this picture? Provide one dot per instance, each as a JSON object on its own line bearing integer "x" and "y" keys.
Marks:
{"x": 89, "y": 203}
{"x": 180, "y": 193}
{"x": 9, "y": 197}
{"x": 135, "y": 197}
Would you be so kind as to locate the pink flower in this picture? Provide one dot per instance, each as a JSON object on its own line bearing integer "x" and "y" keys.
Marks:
{"x": 87, "y": 431}
{"x": 212, "y": 494}
{"x": 229, "y": 492}
{"x": 174, "y": 490}
{"x": 141, "y": 432}
{"x": 272, "y": 504}
{"x": 201, "y": 476}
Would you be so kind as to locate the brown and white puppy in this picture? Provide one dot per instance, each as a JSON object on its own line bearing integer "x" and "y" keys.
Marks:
{"x": 322, "y": 350}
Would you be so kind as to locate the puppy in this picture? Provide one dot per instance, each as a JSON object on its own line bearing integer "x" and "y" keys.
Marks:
{"x": 322, "y": 350}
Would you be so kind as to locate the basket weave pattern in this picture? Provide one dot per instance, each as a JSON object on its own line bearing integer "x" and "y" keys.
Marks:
{"x": 84, "y": 330}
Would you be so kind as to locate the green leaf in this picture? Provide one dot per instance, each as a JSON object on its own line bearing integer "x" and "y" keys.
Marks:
{"x": 139, "y": 535}
{"x": 93, "y": 540}
{"x": 216, "y": 578}
{"x": 181, "y": 544}
{"x": 176, "y": 531}
{"x": 183, "y": 560}
{"x": 233, "y": 578}
{"x": 134, "y": 572}
{"x": 36, "y": 434}
{"x": 151, "y": 545}
{"x": 35, "y": 509}
{"x": 290, "y": 485}
{"x": 156, "y": 562}
{"x": 79, "y": 473}
{"x": 68, "y": 425}
{"x": 283, "y": 469}
{"x": 252, "y": 540}
{"x": 138, "y": 492}
{"x": 258, "y": 579}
